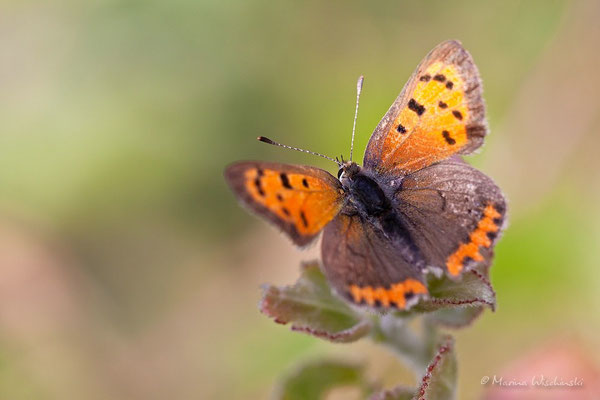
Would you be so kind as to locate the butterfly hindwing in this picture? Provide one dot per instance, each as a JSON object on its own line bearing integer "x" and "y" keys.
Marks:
{"x": 300, "y": 200}
{"x": 453, "y": 213}
{"x": 366, "y": 267}
{"x": 440, "y": 112}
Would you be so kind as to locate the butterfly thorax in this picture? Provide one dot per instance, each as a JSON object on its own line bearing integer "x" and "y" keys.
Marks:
{"x": 365, "y": 195}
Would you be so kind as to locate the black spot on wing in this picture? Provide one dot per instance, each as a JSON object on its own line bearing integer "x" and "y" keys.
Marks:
{"x": 501, "y": 208}
{"x": 457, "y": 114}
{"x": 259, "y": 187}
{"x": 305, "y": 183}
{"x": 439, "y": 78}
{"x": 442, "y": 105}
{"x": 425, "y": 78}
{"x": 303, "y": 217}
{"x": 285, "y": 181}
{"x": 416, "y": 107}
{"x": 449, "y": 85}
{"x": 279, "y": 197}
{"x": 361, "y": 302}
{"x": 448, "y": 138}
{"x": 401, "y": 129}
{"x": 285, "y": 211}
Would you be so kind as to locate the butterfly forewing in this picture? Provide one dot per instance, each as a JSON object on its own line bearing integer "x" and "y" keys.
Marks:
{"x": 440, "y": 112}
{"x": 300, "y": 200}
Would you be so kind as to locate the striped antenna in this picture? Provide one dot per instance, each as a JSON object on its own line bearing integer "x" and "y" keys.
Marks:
{"x": 269, "y": 141}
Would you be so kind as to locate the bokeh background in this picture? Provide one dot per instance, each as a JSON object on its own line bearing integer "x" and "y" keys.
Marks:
{"x": 127, "y": 270}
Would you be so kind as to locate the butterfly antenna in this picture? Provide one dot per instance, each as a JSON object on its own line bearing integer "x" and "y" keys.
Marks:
{"x": 359, "y": 86}
{"x": 269, "y": 141}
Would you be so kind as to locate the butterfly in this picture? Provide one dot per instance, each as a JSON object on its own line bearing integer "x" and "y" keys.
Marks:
{"x": 413, "y": 208}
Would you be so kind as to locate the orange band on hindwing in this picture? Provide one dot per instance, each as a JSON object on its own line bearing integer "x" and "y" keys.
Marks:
{"x": 478, "y": 238}
{"x": 396, "y": 295}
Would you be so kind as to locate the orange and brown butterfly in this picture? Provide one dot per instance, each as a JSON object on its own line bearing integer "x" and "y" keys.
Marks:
{"x": 415, "y": 206}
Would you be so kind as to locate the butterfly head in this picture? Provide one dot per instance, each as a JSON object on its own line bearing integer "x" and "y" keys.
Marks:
{"x": 348, "y": 171}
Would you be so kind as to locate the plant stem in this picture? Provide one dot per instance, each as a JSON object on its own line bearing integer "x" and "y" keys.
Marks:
{"x": 415, "y": 348}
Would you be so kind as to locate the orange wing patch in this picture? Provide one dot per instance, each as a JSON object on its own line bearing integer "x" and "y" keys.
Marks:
{"x": 434, "y": 118}
{"x": 301, "y": 200}
{"x": 439, "y": 113}
{"x": 305, "y": 201}
{"x": 396, "y": 295}
{"x": 478, "y": 238}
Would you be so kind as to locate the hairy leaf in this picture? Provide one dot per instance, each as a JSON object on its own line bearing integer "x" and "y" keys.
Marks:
{"x": 474, "y": 289}
{"x": 311, "y": 307}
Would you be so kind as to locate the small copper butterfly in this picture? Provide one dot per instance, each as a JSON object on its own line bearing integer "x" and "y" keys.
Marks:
{"x": 414, "y": 207}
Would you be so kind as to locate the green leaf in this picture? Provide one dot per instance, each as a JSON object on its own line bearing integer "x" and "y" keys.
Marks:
{"x": 473, "y": 289}
{"x": 439, "y": 381}
{"x": 314, "y": 380}
{"x": 311, "y": 307}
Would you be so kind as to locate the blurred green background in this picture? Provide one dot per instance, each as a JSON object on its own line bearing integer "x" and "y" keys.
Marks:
{"x": 127, "y": 270}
